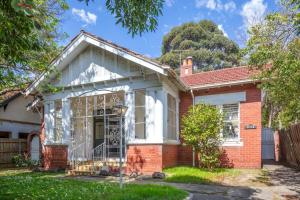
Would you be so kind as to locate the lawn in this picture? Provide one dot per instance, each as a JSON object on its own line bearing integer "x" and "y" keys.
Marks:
{"x": 22, "y": 184}
{"x": 197, "y": 175}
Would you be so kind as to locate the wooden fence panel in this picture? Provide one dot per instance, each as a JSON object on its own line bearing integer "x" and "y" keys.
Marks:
{"x": 290, "y": 145}
{"x": 10, "y": 148}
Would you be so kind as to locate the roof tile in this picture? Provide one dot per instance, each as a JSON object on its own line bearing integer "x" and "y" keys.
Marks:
{"x": 218, "y": 76}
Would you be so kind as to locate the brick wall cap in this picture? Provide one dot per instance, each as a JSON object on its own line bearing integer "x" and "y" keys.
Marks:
{"x": 56, "y": 145}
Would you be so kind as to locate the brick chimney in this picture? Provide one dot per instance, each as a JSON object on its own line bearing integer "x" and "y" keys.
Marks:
{"x": 187, "y": 67}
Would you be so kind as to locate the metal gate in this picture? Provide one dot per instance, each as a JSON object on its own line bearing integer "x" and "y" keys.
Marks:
{"x": 268, "y": 147}
{"x": 95, "y": 126}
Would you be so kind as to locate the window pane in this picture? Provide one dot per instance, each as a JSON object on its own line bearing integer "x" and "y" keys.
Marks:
{"x": 231, "y": 130}
{"x": 231, "y": 112}
{"x": 58, "y": 120}
{"x": 139, "y": 114}
{"x": 171, "y": 102}
{"x": 140, "y": 131}
{"x": 171, "y": 118}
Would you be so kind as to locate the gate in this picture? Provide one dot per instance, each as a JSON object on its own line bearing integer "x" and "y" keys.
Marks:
{"x": 268, "y": 147}
{"x": 35, "y": 148}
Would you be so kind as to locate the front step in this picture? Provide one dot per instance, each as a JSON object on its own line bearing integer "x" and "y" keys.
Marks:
{"x": 87, "y": 168}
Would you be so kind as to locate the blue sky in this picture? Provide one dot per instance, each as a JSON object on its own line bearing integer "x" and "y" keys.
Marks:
{"x": 232, "y": 16}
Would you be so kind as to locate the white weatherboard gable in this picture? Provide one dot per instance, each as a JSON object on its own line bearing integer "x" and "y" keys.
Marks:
{"x": 81, "y": 42}
{"x": 95, "y": 65}
{"x": 220, "y": 99}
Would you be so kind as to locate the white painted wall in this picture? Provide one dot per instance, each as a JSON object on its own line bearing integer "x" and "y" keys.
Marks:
{"x": 15, "y": 118}
{"x": 16, "y": 111}
{"x": 16, "y": 128}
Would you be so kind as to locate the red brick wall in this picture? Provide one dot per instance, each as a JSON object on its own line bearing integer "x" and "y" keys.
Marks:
{"x": 55, "y": 157}
{"x": 144, "y": 158}
{"x": 149, "y": 158}
{"x": 170, "y": 155}
{"x": 248, "y": 155}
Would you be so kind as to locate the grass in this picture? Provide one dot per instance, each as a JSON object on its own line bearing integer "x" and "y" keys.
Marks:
{"x": 196, "y": 175}
{"x": 22, "y": 184}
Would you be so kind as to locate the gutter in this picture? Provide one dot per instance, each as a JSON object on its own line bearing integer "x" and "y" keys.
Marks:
{"x": 224, "y": 84}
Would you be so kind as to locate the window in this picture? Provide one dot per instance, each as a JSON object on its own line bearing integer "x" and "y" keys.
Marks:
{"x": 231, "y": 126}
{"x": 23, "y": 135}
{"x": 58, "y": 121}
{"x": 140, "y": 114}
{"x": 4, "y": 134}
{"x": 172, "y": 133}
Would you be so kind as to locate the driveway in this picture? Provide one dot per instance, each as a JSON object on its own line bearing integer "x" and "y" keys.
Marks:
{"x": 275, "y": 182}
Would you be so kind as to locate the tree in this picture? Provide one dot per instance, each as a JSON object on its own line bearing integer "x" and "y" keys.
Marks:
{"x": 201, "y": 129}
{"x": 274, "y": 50}
{"x": 28, "y": 34}
{"x": 204, "y": 41}
{"x": 135, "y": 15}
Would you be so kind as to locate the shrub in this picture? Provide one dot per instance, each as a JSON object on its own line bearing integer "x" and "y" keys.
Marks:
{"x": 24, "y": 161}
{"x": 201, "y": 129}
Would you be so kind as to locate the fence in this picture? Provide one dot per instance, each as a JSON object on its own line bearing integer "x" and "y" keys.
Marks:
{"x": 10, "y": 148}
{"x": 290, "y": 145}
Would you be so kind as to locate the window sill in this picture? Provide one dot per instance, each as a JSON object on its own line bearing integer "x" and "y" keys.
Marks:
{"x": 232, "y": 143}
{"x": 171, "y": 141}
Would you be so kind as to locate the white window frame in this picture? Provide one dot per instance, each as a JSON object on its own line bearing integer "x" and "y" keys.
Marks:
{"x": 232, "y": 141}
{"x": 58, "y": 115}
{"x": 176, "y": 119}
{"x": 145, "y": 130}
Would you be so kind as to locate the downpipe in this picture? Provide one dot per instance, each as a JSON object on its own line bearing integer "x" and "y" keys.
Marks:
{"x": 193, "y": 98}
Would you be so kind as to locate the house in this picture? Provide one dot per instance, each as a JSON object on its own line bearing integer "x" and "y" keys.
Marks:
{"x": 82, "y": 120}
{"x": 15, "y": 120}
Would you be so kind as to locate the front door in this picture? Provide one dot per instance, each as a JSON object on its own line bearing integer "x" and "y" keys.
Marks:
{"x": 99, "y": 131}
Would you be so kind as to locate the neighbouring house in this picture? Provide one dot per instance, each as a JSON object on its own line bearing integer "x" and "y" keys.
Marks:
{"x": 82, "y": 120}
{"x": 15, "y": 120}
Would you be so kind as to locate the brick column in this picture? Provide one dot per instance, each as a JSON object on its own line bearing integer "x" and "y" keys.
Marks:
{"x": 55, "y": 157}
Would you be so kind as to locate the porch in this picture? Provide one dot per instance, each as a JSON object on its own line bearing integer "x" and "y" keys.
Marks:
{"x": 96, "y": 128}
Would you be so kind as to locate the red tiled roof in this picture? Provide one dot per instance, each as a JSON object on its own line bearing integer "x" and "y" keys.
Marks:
{"x": 221, "y": 76}
{"x": 8, "y": 95}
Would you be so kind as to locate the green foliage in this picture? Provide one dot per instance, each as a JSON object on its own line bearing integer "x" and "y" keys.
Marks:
{"x": 203, "y": 41}
{"x": 274, "y": 50}
{"x": 201, "y": 129}
{"x": 24, "y": 161}
{"x": 28, "y": 34}
{"x": 36, "y": 186}
{"x": 135, "y": 15}
{"x": 184, "y": 174}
